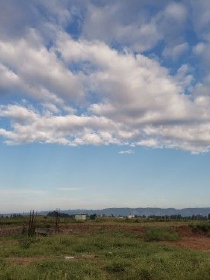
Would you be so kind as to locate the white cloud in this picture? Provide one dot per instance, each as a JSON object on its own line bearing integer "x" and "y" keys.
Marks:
{"x": 150, "y": 143}
{"x": 176, "y": 11}
{"x": 175, "y": 52}
{"x": 84, "y": 92}
{"x": 200, "y": 17}
{"x": 199, "y": 48}
{"x": 201, "y": 26}
{"x": 37, "y": 71}
{"x": 118, "y": 21}
{"x": 135, "y": 25}
{"x": 8, "y": 79}
{"x": 126, "y": 152}
{"x": 184, "y": 77}
{"x": 138, "y": 101}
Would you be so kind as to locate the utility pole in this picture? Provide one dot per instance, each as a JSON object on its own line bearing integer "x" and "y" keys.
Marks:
{"x": 57, "y": 220}
{"x": 31, "y": 224}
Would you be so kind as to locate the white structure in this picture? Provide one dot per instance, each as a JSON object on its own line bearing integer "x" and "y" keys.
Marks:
{"x": 131, "y": 216}
{"x": 80, "y": 217}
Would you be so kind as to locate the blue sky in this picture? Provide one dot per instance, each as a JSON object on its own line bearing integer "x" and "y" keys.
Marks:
{"x": 104, "y": 104}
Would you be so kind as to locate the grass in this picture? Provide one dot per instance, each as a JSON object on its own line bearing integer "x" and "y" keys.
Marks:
{"x": 45, "y": 221}
{"x": 161, "y": 234}
{"x": 201, "y": 227}
{"x": 103, "y": 254}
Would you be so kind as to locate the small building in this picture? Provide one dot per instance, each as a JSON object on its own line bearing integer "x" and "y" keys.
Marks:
{"x": 80, "y": 217}
{"x": 131, "y": 216}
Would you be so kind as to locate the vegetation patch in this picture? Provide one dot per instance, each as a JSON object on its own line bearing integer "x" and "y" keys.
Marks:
{"x": 117, "y": 266}
{"x": 102, "y": 252}
{"x": 25, "y": 242}
{"x": 161, "y": 234}
{"x": 201, "y": 228}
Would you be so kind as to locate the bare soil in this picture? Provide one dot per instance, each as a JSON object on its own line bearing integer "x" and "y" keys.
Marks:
{"x": 25, "y": 260}
{"x": 201, "y": 243}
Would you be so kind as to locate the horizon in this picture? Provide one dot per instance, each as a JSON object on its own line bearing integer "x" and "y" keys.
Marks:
{"x": 104, "y": 104}
{"x": 80, "y": 209}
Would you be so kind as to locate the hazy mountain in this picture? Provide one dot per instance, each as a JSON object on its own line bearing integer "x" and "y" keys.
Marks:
{"x": 144, "y": 211}
{"x": 135, "y": 211}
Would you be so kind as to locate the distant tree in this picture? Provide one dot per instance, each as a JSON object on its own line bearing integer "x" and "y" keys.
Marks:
{"x": 15, "y": 216}
{"x": 93, "y": 217}
{"x": 54, "y": 214}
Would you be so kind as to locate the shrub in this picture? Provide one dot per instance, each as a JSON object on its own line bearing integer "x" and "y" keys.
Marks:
{"x": 204, "y": 227}
{"x": 161, "y": 234}
{"x": 25, "y": 243}
{"x": 145, "y": 274}
{"x": 117, "y": 266}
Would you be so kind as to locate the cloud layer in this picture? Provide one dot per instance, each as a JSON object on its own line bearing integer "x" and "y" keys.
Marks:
{"x": 105, "y": 72}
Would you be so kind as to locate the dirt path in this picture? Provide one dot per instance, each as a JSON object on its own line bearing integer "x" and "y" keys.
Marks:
{"x": 25, "y": 260}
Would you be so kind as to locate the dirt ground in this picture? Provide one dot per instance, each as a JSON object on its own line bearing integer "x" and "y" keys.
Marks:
{"x": 26, "y": 260}
{"x": 191, "y": 240}
{"x": 200, "y": 243}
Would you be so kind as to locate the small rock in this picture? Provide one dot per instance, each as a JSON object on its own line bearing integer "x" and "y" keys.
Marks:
{"x": 69, "y": 257}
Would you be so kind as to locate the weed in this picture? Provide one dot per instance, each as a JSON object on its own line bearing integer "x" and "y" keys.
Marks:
{"x": 161, "y": 234}
{"x": 26, "y": 242}
{"x": 121, "y": 255}
{"x": 202, "y": 227}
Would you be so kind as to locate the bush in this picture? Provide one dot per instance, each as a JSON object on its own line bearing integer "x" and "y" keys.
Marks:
{"x": 160, "y": 234}
{"x": 25, "y": 243}
{"x": 204, "y": 227}
{"x": 117, "y": 266}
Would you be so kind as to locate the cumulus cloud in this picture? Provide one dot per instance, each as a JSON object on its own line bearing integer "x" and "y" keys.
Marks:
{"x": 85, "y": 91}
{"x": 199, "y": 48}
{"x": 118, "y": 21}
{"x": 201, "y": 23}
{"x": 8, "y": 79}
{"x": 37, "y": 71}
{"x": 135, "y": 26}
{"x": 150, "y": 143}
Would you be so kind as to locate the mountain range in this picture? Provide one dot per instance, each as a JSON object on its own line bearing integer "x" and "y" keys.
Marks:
{"x": 143, "y": 211}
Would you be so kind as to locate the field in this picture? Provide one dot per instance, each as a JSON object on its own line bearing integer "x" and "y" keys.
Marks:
{"x": 105, "y": 249}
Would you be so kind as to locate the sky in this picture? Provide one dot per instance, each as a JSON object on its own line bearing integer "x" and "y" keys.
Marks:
{"x": 104, "y": 104}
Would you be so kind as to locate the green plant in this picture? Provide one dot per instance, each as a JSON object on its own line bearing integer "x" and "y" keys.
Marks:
{"x": 161, "y": 234}
{"x": 202, "y": 227}
{"x": 25, "y": 243}
{"x": 117, "y": 266}
{"x": 101, "y": 252}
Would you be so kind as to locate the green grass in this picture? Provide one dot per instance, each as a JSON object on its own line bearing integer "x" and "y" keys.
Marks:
{"x": 161, "y": 234}
{"x": 112, "y": 254}
{"x": 46, "y": 221}
{"x": 201, "y": 227}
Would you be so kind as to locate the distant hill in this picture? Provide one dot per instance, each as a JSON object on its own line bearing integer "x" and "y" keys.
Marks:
{"x": 135, "y": 211}
{"x": 144, "y": 211}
